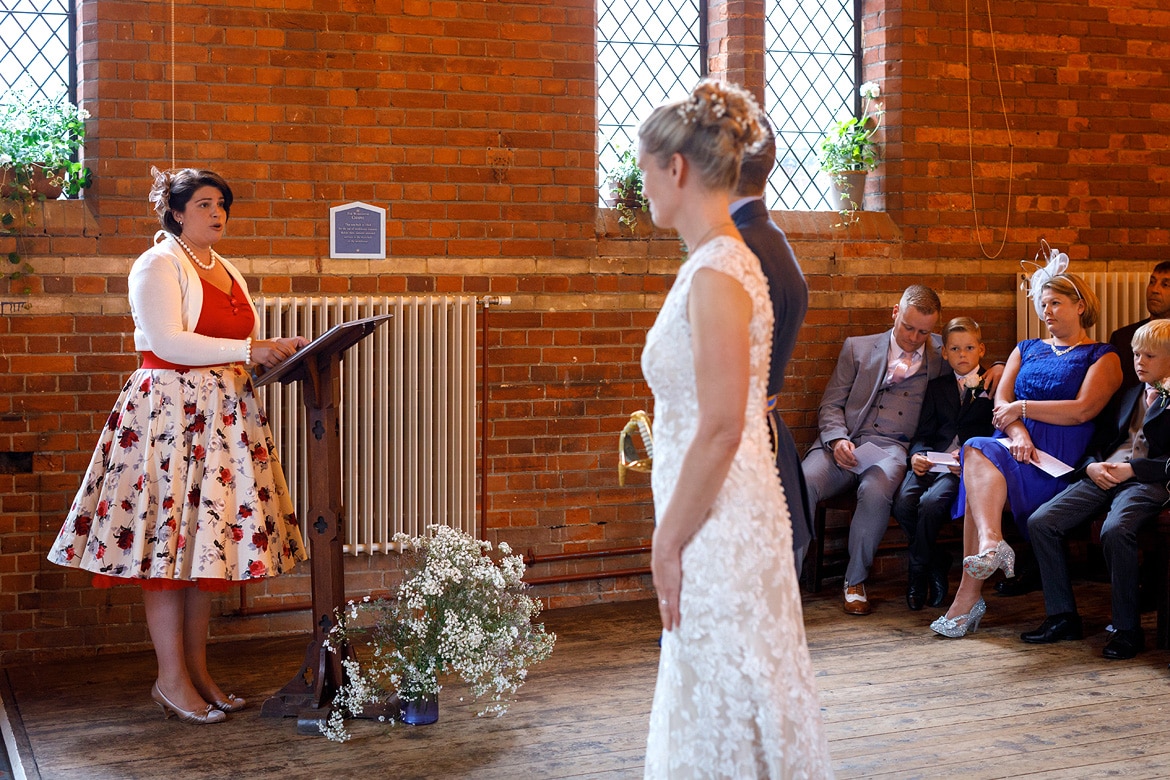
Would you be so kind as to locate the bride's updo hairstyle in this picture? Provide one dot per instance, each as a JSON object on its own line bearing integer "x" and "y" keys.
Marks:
{"x": 711, "y": 129}
{"x": 173, "y": 189}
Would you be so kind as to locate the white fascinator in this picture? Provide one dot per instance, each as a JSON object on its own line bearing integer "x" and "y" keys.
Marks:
{"x": 1048, "y": 263}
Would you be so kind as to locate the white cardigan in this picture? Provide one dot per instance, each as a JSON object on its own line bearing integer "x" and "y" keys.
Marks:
{"x": 166, "y": 298}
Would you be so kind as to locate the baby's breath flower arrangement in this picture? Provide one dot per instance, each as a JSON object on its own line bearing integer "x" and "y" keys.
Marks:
{"x": 456, "y": 612}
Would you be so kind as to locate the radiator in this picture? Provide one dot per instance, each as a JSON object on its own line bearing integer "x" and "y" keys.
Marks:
{"x": 1123, "y": 301}
{"x": 407, "y": 413}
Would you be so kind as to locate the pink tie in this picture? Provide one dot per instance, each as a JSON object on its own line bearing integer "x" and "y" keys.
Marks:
{"x": 1151, "y": 396}
{"x": 901, "y": 369}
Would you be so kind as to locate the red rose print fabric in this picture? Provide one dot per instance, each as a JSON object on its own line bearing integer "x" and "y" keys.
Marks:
{"x": 184, "y": 484}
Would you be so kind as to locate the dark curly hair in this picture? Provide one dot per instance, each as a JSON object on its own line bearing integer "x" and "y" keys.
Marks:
{"x": 173, "y": 189}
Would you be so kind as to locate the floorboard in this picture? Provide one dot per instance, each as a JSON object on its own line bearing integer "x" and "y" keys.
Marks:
{"x": 898, "y": 702}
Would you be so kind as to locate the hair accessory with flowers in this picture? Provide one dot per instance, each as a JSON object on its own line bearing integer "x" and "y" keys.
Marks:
{"x": 701, "y": 105}
{"x": 160, "y": 191}
{"x": 1054, "y": 262}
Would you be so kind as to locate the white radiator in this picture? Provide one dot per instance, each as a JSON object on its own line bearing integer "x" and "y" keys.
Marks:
{"x": 407, "y": 413}
{"x": 1123, "y": 300}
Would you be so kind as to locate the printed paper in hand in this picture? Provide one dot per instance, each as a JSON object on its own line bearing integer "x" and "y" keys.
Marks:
{"x": 941, "y": 462}
{"x": 1045, "y": 462}
{"x": 868, "y": 454}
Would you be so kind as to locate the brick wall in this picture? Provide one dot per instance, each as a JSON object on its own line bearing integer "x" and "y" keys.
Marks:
{"x": 473, "y": 123}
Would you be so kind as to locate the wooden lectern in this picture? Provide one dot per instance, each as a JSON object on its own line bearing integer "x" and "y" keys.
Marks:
{"x": 317, "y": 368}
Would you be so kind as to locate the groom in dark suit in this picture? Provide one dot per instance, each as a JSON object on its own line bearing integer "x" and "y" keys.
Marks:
{"x": 1126, "y": 474}
{"x": 789, "y": 294}
{"x": 1158, "y": 305}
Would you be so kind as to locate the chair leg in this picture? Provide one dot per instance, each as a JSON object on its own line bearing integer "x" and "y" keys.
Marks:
{"x": 818, "y": 569}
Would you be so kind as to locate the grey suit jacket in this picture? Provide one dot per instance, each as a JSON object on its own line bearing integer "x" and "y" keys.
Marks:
{"x": 855, "y": 382}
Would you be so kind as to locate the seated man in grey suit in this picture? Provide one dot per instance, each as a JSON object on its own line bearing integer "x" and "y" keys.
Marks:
{"x": 1158, "y": 305}
{"x": 789, "y": 294}
{"x": 874, "y": 396}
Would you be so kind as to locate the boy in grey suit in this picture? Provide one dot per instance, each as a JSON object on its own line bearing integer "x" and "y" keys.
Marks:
{"x": 874, "y": 396}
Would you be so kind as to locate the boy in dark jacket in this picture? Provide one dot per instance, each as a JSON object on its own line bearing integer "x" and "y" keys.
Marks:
{"x": 957, "y": 407}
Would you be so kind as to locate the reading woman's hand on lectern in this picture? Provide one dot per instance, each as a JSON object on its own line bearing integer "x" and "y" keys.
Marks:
{"x": 270, "y": 353}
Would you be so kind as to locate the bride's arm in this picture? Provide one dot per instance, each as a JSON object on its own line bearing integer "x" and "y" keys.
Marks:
{"x": 719, "y": 310}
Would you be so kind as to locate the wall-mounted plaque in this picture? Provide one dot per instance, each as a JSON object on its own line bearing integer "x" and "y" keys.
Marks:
{"x": 357, "y": 231}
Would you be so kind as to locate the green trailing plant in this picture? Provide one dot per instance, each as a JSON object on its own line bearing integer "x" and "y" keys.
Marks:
{"x": 849, "y": 146}
{"x": 39, "y": 141}
{"x": 625, "y": 189}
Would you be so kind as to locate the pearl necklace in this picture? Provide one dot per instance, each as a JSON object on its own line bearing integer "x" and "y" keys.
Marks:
{"x": 1065, "y": 351}
{"x": 191, "y": 253}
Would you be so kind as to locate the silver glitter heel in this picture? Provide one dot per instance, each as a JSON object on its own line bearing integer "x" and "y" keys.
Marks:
{"x": 986, "y": 563}
{"x": 956, "y": 628}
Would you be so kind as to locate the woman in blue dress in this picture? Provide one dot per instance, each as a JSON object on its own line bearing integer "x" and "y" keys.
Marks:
{"x": 1050, "y": 392}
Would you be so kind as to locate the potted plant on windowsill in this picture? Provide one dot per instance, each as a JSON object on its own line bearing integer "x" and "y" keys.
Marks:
{"x": 624, "y": 183}
{"x": 39, "y": 139}
{"x": 848, "y": 152}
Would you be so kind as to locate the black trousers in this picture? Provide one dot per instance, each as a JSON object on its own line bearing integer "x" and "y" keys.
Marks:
{"x": 922, "y": 506}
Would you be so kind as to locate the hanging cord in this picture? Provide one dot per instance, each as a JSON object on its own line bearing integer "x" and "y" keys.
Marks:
{"x": 173, "y": 157}
{"x": 971, "y": 133}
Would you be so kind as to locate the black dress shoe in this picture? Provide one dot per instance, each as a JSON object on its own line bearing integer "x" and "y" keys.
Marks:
{"x": 916, "y": 593}
{"x": 1027, "y": 581}
{"x": 1066, "y": 625}
{"x": 1125, "y": 644}
{"x": 936, "y": 590}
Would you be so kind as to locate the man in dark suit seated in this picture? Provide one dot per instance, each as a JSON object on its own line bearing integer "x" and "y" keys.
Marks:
{"x": 873, "y": 397}
{"x": 1158, "y": 305}
{"x": 789, "y": 294}
{"x": 957, "y": 407}
{"x": 1126, "y": 474}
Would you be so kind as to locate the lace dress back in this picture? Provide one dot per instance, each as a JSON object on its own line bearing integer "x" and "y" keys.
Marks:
{"x": 736, "y": 696}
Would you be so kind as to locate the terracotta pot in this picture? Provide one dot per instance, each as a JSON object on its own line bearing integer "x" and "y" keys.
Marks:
{"x": 847, "y": 192}
{"x": 40, "y": 184}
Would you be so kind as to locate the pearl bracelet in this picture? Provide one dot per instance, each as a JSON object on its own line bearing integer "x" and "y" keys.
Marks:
{"x": 248, "y": 351}
{"x": 1024, "y": 414}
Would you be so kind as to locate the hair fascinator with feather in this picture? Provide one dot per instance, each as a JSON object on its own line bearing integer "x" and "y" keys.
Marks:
{"x": 1048, "y": 264}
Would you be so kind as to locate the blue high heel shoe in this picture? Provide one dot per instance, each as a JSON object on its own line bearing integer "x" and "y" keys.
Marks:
{"x": 959, "y": 627}
{"x": 986, "y": 563}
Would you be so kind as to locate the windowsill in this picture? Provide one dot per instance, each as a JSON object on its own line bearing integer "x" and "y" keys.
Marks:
{"x": 797, "y": 225}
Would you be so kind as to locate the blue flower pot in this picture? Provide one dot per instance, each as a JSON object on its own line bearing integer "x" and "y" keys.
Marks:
{"x": 420, "y": 712}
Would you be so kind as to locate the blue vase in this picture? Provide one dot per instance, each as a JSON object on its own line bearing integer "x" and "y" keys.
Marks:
{"x": 421, "y": 711}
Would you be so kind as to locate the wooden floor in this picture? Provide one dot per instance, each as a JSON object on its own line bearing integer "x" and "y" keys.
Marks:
{"x": 898, "y": 703}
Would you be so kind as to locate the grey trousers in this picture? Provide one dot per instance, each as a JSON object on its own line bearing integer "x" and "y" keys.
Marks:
{"x": 1131, "y": 505}
{"x": 875, "y": 493}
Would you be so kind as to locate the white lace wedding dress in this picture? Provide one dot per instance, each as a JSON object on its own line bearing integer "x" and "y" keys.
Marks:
{"x": 735, "y": 696}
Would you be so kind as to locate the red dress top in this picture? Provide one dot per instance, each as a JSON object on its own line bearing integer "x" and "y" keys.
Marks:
{"x": 223, "y": 315}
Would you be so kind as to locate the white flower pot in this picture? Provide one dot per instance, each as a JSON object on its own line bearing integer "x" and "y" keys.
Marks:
{"x": 848, "y": 190}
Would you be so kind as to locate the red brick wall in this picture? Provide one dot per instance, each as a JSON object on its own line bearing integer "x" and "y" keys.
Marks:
{"x": 473, "y": 123}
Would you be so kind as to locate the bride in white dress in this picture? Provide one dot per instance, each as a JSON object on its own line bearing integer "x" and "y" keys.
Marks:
{"x": 735, "y": 696}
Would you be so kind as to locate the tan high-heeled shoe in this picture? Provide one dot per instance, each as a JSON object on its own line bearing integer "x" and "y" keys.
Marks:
{"x": 232, "y": 703}
{"x": 209, "y": 715}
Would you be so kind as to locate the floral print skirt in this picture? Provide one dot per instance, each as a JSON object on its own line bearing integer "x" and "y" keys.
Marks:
{"x": 184, "y": 485}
